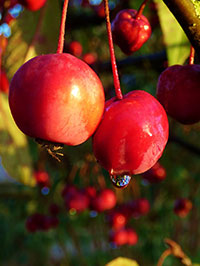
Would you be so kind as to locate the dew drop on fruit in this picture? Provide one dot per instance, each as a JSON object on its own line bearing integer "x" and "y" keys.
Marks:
{"x": 120, "y": 181}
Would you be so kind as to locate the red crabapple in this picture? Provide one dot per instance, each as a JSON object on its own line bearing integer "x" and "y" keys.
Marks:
{"x": 105, "y": 200}
{"x": 75, "y": 48}
{"x": 131, "y": 136}
{"x": 130, "y": 32}
{"x": 58, "y": 98}
{"x": 178, "y": 92}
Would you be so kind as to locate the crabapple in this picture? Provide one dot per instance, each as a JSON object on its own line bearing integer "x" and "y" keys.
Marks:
{"x": 130, "y": 31}
{"x": 178, "y": 92}
{"x": 105, "y": 200}
{"x": 132, "y": 134}
{"x": 57, "y": 98}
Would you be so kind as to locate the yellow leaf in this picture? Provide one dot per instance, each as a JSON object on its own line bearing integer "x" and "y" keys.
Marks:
{"x": 120, "y": 261}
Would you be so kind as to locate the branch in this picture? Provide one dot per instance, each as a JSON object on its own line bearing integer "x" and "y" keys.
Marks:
{"x": 186, "y": 14}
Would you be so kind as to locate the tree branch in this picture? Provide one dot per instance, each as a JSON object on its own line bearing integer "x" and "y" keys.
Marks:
{"x": 186, "y": 14}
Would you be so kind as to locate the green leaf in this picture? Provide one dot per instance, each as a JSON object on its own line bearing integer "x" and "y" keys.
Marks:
{"x": 14, "y": 151}
{"x": 120, "y": 261}
{"x": 177, "y": 44}
{"x": 32, "y": 34}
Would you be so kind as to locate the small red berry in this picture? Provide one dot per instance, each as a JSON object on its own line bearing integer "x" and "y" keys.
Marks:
{"x": 105, "y": 200}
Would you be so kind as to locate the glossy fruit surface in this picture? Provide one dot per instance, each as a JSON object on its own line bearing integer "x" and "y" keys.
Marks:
{"x": 57, "y": 97}
{"x": 178, "y": 92}
{"x": 130, "y": 33}
{"x": 32, "y": 5}
{"x": 132, "y": 134}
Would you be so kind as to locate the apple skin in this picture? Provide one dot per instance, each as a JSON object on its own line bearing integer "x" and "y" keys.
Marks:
{"x": 132, "y": 134}
{"x": 178, "y": 91}
{"x": 58, "y": 98}
{"x": 130, "y": 33}
{"x": 32, "y": 5}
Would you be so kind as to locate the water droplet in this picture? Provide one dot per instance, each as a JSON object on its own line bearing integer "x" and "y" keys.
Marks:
{"x": 120, "y": 181}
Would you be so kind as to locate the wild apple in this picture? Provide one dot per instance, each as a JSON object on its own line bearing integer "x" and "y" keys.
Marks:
{"x": 129, "y": 31}
{"x": 178, "y": 92}
{"x": 58, "y": 98}
{"x": 132, "y": 134}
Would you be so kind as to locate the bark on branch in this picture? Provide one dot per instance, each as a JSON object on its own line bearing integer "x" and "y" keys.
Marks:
{"x": 186, "y": 14}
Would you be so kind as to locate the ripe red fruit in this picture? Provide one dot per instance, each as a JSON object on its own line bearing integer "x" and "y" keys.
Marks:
{"x": 105, "y": 200}
{"x": 4, "y": 83}
{"x": 117, "y": 219}
{"x": 42, "y": 178}
{"x": 178, "y": 92}
{"x": 155, "y": 174}
{"x": 75, "y": 48}
{"x": 89, "y": 58}
{"x": 58, "y": 98}
{"x": 182, "y": 207}
{"x": 119, "y": 237}
{"x": 77, "y": 201}
{"x": 32, "y": 5}
{"x": 132, "y": 236}
{"x": 129, "y": 32}
{"x": 132, "y": 134}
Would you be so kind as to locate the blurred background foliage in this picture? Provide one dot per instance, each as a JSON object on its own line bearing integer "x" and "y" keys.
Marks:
{"x": 83, "y": 238}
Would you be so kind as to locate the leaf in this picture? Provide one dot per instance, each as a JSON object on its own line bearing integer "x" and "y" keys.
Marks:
{"x": 120, "y": 261}
{"x": 32, "y": 34}
{"x": 14, "y": 151}
{"x": 177, "y": 44}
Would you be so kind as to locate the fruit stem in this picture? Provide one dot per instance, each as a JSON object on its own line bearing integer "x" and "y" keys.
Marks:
{"x": 165, "y": 254}
{"x": 62, "y": 28}
{"x": 112, "y": 53}
{"x": 192, "y": 54}
{"x": 141, "y": 8}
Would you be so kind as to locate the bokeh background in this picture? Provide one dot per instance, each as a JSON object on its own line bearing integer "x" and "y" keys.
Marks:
{"x": 32, "y": 181}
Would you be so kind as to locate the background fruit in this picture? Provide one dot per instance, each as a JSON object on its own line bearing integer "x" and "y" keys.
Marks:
{"x": 130, "y": 33}
{"x": 178, "y": 92}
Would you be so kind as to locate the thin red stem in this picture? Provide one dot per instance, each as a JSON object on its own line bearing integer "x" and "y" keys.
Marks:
{"x": 62, "y": 28}
{"x": 192, "y": 54}
{"x": 112, "y": 53}
{"x": 141, "y": 8}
